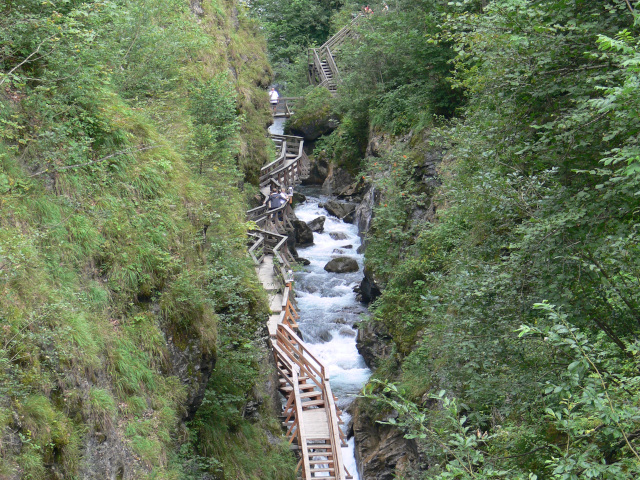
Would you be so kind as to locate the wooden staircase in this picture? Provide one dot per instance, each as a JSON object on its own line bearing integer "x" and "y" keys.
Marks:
{"x": 323, "y": 71}
{"x": 310, "y": 416}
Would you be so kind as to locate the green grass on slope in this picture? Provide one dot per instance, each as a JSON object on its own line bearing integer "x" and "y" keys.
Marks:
{"x": 112, "y": 247}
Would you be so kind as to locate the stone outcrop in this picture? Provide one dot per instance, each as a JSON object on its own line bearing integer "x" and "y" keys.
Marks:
{"x": 368, "y": 289}
{"x": 382, "y": 452}
{"x": 336, "y": 180}
{"x": 364, "y": 212}
{"x": 193, "y": 367}
{"x": 342, "y": 265}
{"x": 302, "y": 233}
{"x": 315, "y": 128}
{"x": 196, "y": 7}
{"x": 354, "y": 191}
{"x": 373, "y": 342}
{"x": 339, "y": 209}
{"x": 318, "y": 172}
{"x": 317, "y": 224}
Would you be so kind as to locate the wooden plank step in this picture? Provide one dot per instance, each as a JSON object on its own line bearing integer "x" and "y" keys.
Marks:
{"x": 311, "y": 394}
{"x": 315, "y": 470}
{"x": 312, "y": 403}
{"x": 319, "y": 462}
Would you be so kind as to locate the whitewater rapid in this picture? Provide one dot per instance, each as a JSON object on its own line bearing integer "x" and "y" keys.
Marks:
{"x": 328, "y": 307}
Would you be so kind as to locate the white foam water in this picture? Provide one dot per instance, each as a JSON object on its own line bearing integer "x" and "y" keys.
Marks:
{"x": 328, "y": 308}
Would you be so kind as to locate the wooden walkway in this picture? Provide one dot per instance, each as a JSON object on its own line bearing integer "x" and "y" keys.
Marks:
{"x": 310, "y": 415}
{"x": 323, "y": 71}
{"x": 285, "y": 106}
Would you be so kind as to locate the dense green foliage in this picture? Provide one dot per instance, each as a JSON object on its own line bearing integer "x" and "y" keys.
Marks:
{"x": 538, "y": 203}
{"x": 126, "y": 128}
{"x": 394, "y": 76}
{"x": 511, "y": 290}
{"x": 292, "y": 26}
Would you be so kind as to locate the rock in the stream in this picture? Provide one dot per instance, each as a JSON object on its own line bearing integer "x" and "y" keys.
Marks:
{"x": 303, "y": 234}
{"x": 337, "y": 250}
{"x": 317, "y": 224}
{"x": 342, "y": 265}
{"x": 347, "y": 332}
{"x": 338, "y": 235}
{"x": 347, "y": 246}
{"x": 339, "y": 209}
{"x": 303, "y": 261}
{"x": 298, "y": 198}
{"x": 350, "y": 217}
{"x": 325, "y": 336}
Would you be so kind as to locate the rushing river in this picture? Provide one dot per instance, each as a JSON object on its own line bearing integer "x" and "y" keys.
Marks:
{"x": 328, "y": 308}
{"x": 277, "y": 127}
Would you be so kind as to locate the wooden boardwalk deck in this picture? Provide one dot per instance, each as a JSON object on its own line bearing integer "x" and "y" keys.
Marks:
{"x": 310, "y": 415}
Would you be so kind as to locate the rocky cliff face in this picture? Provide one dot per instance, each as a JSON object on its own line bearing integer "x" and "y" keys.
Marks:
{"x": 193, "y": 366}
{"x": 382, "y": 452}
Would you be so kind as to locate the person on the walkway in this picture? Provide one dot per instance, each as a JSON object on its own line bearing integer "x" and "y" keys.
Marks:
{"x": 284, "y": 195}
{"x": 273, "y": 98}
{"x": 274, "y": 200}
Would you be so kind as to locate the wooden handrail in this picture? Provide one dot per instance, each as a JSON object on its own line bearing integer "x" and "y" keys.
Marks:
{"x": 291, "y": 333}
{"x": 332, "y": 65}
{"x": 294, "y": 361}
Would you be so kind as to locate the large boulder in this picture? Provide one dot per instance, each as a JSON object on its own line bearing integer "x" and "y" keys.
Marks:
{"x": 315, "y": 128}
{"x": 314, "y": 116}
{"x": 353, "y": 191}
{"x": 342, "y": 265}
{"x": 298, "y": 198}
{"x": 337, "y": 179}
{"x": 302, "y": 233}
{"x": 317, "y": 224}
{"x": 318, "y": 172}
{"x": 339, "y": 209}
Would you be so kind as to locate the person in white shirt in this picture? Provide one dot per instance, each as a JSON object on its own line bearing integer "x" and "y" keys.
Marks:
{"x": 273, "y": 98}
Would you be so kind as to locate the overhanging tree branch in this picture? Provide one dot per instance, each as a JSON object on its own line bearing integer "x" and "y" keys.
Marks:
{"x": 24, "y": 61}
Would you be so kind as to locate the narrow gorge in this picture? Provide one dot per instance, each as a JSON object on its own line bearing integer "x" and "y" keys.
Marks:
{"x": 453, "y": 291}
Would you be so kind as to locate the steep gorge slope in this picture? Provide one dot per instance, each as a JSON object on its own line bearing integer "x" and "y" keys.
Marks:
{"x": 128, "y": 305}
{"x": 498, "y": 142}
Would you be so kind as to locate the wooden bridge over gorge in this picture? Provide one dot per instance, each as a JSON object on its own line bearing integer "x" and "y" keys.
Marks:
{"x": 310, "y": 415}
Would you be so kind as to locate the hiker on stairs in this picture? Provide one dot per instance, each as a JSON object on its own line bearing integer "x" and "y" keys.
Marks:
{"x": 273, "y": 99}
